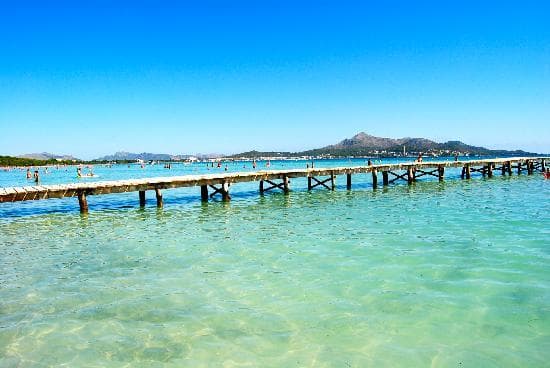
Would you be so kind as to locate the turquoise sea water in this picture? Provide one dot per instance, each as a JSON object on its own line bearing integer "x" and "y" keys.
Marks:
{"x": 452, "y": 274}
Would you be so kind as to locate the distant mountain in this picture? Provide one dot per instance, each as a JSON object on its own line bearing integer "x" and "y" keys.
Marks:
{"x": 363, "y": 144}
{"x": 48, "y": 156}
{"x": 128, "y": 156}
{"x": 146, "y": 156}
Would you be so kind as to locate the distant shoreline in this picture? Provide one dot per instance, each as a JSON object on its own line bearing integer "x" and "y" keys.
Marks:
{"x": 33, "y": 163}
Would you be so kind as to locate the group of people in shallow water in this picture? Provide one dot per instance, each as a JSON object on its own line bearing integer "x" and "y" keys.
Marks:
{"x": 90, "y": 173}
{"x": 35, "y": 175}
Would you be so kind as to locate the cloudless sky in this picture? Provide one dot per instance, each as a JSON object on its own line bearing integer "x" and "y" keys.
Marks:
{"x": 89, "y": 78}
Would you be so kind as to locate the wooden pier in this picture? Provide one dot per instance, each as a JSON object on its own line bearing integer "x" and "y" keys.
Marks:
{"x": 268, "y": 180}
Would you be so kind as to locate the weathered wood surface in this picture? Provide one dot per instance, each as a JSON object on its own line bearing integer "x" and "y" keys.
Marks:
{"x": 13, "y": 194}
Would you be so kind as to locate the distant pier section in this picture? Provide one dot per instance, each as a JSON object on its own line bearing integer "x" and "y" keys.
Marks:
{"x": 218, "y": 184}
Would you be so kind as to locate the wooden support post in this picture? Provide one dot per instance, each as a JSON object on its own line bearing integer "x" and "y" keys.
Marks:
{"x": 374, "y": 179}
{"x": 309, "y": 183}
{"x": 519, "y": 168}
{"x": 509, "y": 167}
{"x": 142, "y": 198}
{"x": 529, "y": 165}
{"x": 410, "y": 175}
{"x": 490, "y": 170}
{"x": 261, "y": 187}
{"x": 503, "y": 168}
{"x": 82, "y": 202}
{"x": 332, "y": 182}
{"x": 225, "y": 192}
{"x": 204, "y": 193}
{"x": 463, "y": 173}
{"x": 348, "y": 181}
{"x": 285, "y": 184}
{"x": 440, "y": 172}
{"x": 385, "y": 179}
{"x": 483, "y": 170}
{"x": 542, "y": 167}
{"x": 468, "y": 171}
{"x": 158, "y": 194}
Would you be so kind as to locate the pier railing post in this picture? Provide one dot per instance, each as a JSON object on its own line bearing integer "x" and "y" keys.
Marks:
{"x": 385, "y": 178}
{"x": 142, "y": 198}
{"x": 348, "y": 181}
{"x": 374, "y": 179}
{"x": 82, "y": 202}
{"x": 158, "y": 194}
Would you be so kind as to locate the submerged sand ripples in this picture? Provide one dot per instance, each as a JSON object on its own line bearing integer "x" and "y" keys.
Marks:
{"x": 451, "y": 274}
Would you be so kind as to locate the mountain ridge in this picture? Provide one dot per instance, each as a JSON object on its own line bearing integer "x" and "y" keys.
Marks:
{"x": 48, "y": 156}
{"x": 363, "y": 144}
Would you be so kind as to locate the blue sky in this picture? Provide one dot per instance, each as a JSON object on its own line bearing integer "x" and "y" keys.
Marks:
{"x": 92, "y": 78}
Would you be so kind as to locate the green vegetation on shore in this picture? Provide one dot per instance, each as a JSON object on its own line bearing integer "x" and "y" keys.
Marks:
{"x": 18, "y": 161}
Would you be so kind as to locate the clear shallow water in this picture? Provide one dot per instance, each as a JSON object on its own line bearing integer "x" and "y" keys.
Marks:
{"x": 436, "y": 274}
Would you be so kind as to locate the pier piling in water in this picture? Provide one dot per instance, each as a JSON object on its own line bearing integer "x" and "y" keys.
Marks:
{"x": 142, "y": 198}
{"x": 348, "y": 181}
{"x": 385, "y": 178}
{"x": 82, "y": 202}
{"x": 440, "y": 172}
{"x": 204, "y": 193}
{"x": 225, "y": 192}
{"x": 374, "y": 179}
{"x": 158, "y": 195}
{"x": 410, "y": 175}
